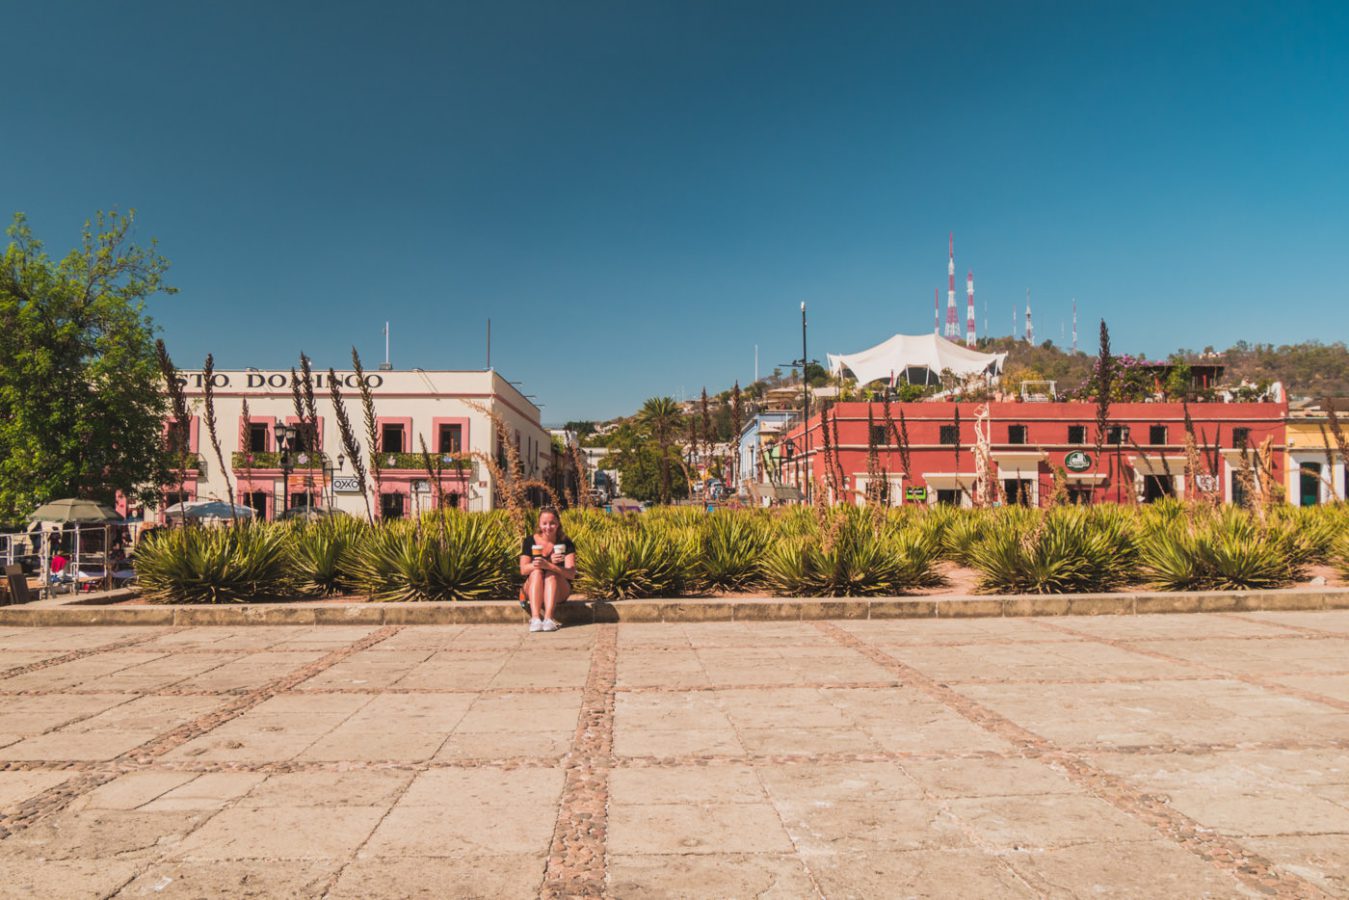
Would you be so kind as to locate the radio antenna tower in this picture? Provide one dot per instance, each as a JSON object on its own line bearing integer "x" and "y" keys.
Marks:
{"x": 952, "y": 321}
{"x": 936, "y": 310}
{"x": 1074, "y": 324}
{"x": 1030, "y": 331}
{"x": 969, "y": 310}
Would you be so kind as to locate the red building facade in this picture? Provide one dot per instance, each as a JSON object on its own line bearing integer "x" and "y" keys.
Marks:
{"x": 1142, "y": 456}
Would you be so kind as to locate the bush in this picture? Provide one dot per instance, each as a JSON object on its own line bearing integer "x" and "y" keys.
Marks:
{"x": 1226, "y": 550}
{"x": 732, "y": 552}
{"x": 626, "y": 563}
{"x": 448, "y": 555}
{"x": 322, "y": 554}
{"x": 215, "y": 565}
{"x": 1064, "y": 552}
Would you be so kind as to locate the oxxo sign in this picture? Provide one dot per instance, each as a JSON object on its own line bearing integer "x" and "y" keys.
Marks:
{"x": 345, "y": 484}
{"x": 1077, "y": 461}
{"x": 276, "y": 380}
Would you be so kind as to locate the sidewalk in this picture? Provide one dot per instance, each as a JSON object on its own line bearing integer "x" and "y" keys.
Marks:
{"x": 1150, "y": 755}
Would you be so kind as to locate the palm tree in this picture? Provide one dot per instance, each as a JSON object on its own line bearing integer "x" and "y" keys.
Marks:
{"x": 661, "y": 416}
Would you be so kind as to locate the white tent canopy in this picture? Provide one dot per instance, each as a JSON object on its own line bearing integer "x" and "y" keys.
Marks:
{"x": 929, "y": 352}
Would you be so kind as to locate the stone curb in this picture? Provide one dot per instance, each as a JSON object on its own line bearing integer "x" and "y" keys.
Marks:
{"x": 741, "y": 609}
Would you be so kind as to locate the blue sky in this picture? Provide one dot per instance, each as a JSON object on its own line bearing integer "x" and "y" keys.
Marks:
{"x": 639, "y": 193}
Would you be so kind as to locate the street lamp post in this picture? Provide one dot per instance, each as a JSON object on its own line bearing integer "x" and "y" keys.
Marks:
{"x": 285, "y": 437}
{"x": 805, "y": 395}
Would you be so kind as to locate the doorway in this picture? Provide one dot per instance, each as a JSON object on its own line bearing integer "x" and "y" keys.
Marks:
{"x": 1310, "y": 492}
{"x": 391, "y": 506}
{"x": 1155, "y": 487}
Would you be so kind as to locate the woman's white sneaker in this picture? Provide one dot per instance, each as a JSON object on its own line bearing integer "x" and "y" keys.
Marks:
{"x": 536, "y": 625}
{"x": 550, "y": 625}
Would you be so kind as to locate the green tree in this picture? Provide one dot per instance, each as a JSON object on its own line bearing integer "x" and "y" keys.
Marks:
{"x": 81, "y": 397}
{"x": 638, "y": 461}
{"x": 660, "y": 416}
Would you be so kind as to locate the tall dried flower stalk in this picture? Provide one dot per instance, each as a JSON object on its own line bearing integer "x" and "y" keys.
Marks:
{"x": 1105, "y": 383}
{"x": 371, "y": 426}
{"x": 737, "y": 423}
{"x": 179, "y": 434}
{"x": 433, "y": 473}
{"x": 208, "y": 389}
{"x": 1337, "y": 431}
{"x": 246, "y": 445}
{"x": 827, "y": 447}
{"x": 578, "y": 462}
{"x": 708, "y": 438}
{"x": 349, "y": 442}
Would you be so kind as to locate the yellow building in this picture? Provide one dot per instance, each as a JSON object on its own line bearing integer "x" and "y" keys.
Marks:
{"x": 1316, "y": 466}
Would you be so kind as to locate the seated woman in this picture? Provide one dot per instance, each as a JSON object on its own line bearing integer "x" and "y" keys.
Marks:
{"x": 548, "y": 562}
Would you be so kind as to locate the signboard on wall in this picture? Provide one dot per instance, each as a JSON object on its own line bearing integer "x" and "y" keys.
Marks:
{"x": 347, "y": 484}
{"x": 916, "y": 494}
{"x": 1077, "y": 461}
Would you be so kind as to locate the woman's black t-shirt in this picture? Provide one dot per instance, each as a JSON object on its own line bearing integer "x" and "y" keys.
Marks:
{"x": 527, "y": 547}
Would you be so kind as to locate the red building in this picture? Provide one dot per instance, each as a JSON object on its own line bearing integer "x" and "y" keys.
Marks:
{"x": 1142, "y": 456}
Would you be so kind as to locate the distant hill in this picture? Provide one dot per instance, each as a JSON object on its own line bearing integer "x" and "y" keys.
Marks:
{"x": 1311, "y": 368}
{"x": 1308, "y": 369}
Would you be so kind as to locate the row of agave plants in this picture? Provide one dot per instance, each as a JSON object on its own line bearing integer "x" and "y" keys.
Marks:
{"x": 670, "y": 552}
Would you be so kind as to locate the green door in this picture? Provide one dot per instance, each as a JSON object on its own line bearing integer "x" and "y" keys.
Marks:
{"x": 1311, "y": 484}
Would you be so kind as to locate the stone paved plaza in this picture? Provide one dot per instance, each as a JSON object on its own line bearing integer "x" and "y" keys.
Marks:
{"x": 1149, "y": 756}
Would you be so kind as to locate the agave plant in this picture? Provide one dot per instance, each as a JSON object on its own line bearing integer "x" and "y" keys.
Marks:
{"x": 457, "y": 556}
{"x": 1061, "y": 553}
{"x": 732, "y": 550}
{"x": 630, "y": 563}
{"x": 215, "y": 565}
{"x": 1226, "y": 550}
{"x": 322, "y": 554}
{"x": 1339, "y": 555}
{"x": 857, "y": 562}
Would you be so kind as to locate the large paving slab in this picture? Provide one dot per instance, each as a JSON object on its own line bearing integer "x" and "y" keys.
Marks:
{"x": 1201, "y": 755}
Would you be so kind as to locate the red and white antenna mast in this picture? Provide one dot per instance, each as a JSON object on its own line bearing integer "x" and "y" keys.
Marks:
{"x": 1074, "y": 324}
{"x": 936, "y": 310}
{"x": 952, "y": 320}
{"x": 1030, "y": 331}
{"x": 969, "y": 310}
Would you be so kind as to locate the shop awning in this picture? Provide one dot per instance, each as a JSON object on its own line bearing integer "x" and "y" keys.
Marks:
{"x": 960, "y": 481}
{"x": 1018, "y": 463}
{"x": 1157, "y": 465}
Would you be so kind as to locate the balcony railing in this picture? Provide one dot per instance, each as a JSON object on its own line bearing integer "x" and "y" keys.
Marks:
{"x": 269, "y": 459}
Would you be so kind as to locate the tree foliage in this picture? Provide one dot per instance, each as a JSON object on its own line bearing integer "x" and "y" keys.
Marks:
{"x": 81, "y": 402}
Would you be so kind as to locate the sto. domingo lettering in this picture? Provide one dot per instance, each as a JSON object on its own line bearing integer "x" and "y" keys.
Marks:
{"x": 278, "y": 380}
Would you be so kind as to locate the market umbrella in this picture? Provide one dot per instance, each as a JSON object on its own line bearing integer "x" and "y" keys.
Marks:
{"x": 208, "y": 509}
{"x": 74, "y": 511}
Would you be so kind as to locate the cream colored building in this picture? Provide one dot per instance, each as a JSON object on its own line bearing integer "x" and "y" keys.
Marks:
{"x": 448, "y": 410}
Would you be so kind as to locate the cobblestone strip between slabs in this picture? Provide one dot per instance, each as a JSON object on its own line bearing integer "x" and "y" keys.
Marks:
{"x": 1229, "y": 856}
{"x": 1303, "y": 630}
{"x": 88, "y": 651}
{"x": 58, "y": 797}
{"x": 1273, "y": 687}
{"x": 576, "y": 859}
